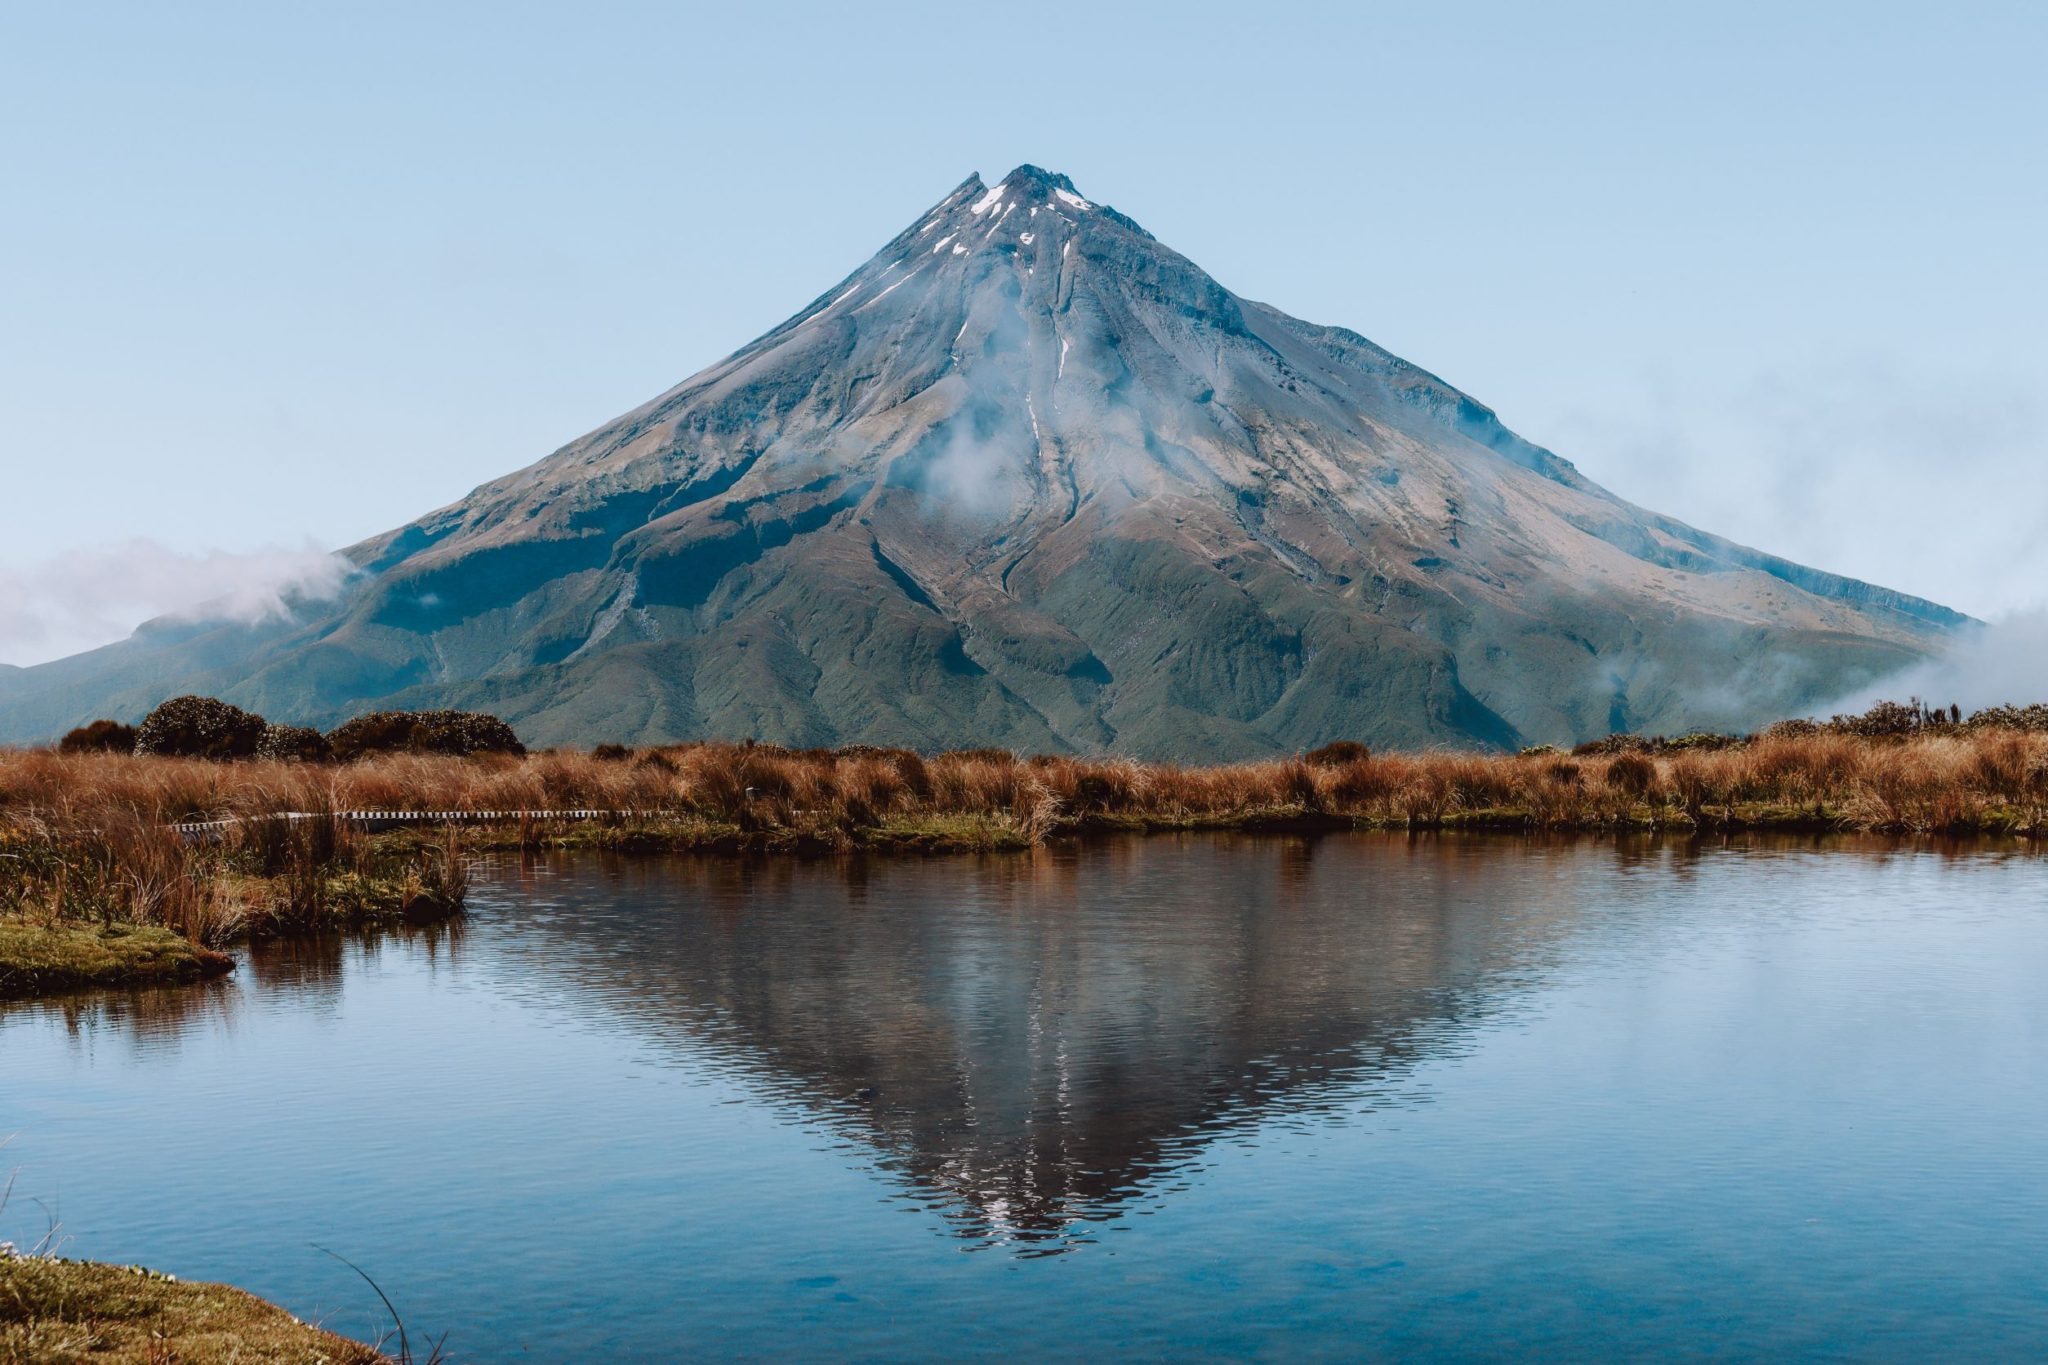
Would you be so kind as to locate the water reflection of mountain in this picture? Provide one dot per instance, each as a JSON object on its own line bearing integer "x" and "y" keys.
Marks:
{"x": 1034, "y": 1040}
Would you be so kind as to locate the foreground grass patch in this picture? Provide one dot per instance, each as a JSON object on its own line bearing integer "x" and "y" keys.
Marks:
{"x": 57, "y": 1312}
{"x": 41, "y": 958}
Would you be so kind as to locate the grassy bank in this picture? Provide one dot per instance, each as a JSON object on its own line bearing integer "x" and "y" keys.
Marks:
{"x": 103, "y": 815}
{"x": 86, "y": 844}
{"x": 53, "y": 1312}
{"x": 100, "y": 861}
{"x": 42, "y": 957}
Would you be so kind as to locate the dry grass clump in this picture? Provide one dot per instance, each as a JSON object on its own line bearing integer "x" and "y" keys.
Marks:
{"x": 88, "y": 838}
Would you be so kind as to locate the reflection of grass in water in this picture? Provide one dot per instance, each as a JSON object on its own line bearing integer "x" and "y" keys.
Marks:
{"x": 309, "y": 966}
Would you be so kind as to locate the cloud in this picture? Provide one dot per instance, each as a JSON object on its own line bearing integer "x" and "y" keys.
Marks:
{"x": 2005, "y": 661}
{"x": 1899, "y": 475}
{"x": 85, "y": 598}
{"x": 975, "y": 477}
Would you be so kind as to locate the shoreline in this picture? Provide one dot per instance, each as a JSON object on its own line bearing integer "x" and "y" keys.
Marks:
{"x": 221, "y": 852}
{"x": 56, "y": 1309}
{"x": 957, "y": 835}
{"x": 39, "y": 959}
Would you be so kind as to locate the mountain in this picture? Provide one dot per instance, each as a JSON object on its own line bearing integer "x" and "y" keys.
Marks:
{"x": 1030, "y": 478}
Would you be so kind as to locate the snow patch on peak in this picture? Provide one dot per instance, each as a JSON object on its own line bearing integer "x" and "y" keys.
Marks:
{"x": 1073, "y": 200}
{"x": 986, "y": 202}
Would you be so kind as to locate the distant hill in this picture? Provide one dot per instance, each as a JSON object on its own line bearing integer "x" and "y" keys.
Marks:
{"x": 1028, "y": 477}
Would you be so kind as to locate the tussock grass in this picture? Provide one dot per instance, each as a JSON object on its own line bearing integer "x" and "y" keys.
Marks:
{"x": 111, "y": 807}
{"x": 85, "y": 839}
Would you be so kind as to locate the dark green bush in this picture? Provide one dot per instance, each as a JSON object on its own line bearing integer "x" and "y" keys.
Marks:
{"x": 100, "y": 737}
{"x": 293, "y": 744}
{"x": 423, "y": 732}
{"x": 199, "y": 727}
{"x": 1706, "y": 740}
{"x": 2032, "y": 717}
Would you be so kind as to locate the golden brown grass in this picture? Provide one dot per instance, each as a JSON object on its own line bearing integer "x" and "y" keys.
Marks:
{"x": 56, "y": 1311}
{"x": 1991, "y": 780}
{"x": 88, "y": 839}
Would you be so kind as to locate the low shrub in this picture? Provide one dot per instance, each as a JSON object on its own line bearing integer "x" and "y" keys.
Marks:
{"x": 199, "y": 727}
{"x": 1337, "y": 754}
{"x": 293, "y": 744}
{"x": 423, "y": 732}
{"x": 100, "y": 737}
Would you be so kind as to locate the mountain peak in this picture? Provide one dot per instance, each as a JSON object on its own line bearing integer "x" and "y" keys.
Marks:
{"x": 1029, "y": 477}
{"x": 1028, "y": 187}
{"x": 1038, "y": 182}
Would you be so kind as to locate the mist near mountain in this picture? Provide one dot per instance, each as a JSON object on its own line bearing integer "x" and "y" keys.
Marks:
{"x": 93, "y": 595}
{"x": 1030, "y": 478}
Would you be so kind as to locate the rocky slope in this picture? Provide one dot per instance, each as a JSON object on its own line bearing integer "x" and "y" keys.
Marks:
{"x": 1030, "y": 478}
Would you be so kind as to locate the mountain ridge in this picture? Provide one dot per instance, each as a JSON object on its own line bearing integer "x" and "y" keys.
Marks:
{"x": 1027, "y": 476}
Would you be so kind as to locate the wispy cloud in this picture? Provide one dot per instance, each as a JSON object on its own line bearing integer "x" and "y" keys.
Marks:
{"x": 1917, "y": 480}
{"x": 2005, "y": 661}
{"x": 89, "y": 597}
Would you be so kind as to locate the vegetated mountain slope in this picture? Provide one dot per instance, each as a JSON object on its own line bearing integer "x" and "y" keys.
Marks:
{"x": 1030, "y": 478}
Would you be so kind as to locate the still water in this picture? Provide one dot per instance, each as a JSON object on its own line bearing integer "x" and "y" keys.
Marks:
{"x": 1170, "y": 1097}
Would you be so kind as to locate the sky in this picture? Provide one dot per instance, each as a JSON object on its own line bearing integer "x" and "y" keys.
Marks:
{"x": 282, "y": 277}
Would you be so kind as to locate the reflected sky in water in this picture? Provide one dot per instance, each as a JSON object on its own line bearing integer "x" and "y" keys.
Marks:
{"x": 1211, "y": 1095}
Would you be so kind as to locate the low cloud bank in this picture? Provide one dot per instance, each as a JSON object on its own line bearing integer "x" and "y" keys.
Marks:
{"x": 90, "y": 597}
{"x": 2004, "y": 661}
{"x": 1894, "y": 473}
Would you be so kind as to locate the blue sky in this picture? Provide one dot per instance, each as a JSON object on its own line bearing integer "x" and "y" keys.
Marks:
{"x": 284, "y": 275}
